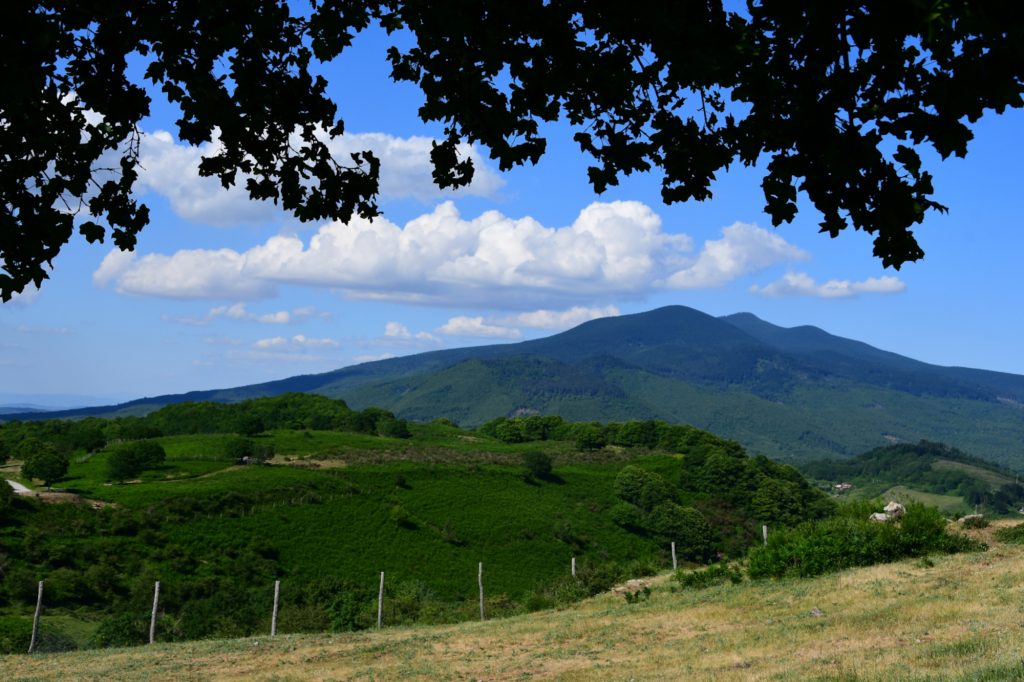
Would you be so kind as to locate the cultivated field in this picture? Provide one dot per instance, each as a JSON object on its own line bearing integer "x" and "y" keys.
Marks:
{"x": 949, "y": 618}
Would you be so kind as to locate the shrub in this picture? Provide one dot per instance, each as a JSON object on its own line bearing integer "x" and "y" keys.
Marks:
{"x": 975, "y": 522}
{"x": 393, "y": 428}
{"x": 850, "y": 539}
{"x": 716, "y": 574}
{"x": 444, "y": 421}
{"x": 125, "y": 629}
{"x": 15, "y": 634}
{"x": 637, "y": 596}
{"x": 1011, "y": 534}
{"x": 401, "y": 517}
{"x": 628, "y": 516}
{"x": 538, "y": 464}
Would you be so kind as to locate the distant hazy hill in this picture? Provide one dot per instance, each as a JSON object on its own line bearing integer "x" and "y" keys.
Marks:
{"x": 797, "y": 393}
{"x": 16, "y": 408}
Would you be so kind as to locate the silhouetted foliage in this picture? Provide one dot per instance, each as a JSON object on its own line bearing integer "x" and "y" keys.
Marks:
{"x": 686, "y": 88}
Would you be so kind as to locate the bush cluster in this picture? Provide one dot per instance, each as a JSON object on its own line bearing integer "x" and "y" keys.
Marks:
{"x": 849, "y": 539}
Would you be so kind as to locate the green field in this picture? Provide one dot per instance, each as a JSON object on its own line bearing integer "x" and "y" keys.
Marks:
{"x": 335, "y": 508}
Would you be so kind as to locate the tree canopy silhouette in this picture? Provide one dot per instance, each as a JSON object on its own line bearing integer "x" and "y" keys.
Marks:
{"x": 836, "y": 99}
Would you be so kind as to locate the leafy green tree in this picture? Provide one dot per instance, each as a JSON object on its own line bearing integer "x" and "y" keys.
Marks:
{"x": 538, "y": 464}
{"x": 249, "y": 425}
{"x": 628, "y": 515}
{"x": 122, "y": 465}
{"x": 686, "y": 88}
{"x": 778, "y": 502}
{"x": 643, "y": 488}
{"x": 130, "y": 460}
{"x": 393, "y": 428}
{"x": 685, "y": 526}
{"x": 590, "y": 437}
{"x": 510, "y": 431}
{"x": 43, "y": 462}
{"x": 150, "y": 453}
{"x": 238, "y": 447}
{"x": 87, "y": 435}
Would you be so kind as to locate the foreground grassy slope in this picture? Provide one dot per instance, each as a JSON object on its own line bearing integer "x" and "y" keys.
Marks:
{"x": 957, "y": 618}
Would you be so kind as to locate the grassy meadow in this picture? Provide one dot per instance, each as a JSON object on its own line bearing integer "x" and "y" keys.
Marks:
{"x": 944, "y": 618}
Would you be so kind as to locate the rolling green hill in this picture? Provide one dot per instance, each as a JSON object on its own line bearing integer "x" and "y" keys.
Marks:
{"x": 339, "y": 505}
{"x": 796, "y": 394}
{"x": 932, "y": 473}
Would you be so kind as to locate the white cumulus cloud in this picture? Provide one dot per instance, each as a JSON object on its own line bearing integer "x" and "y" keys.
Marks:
{"x": 559, "y": 319}
{"x": 171, "y": 169}
{"x": 239, "y": 311}
{"x": 475, "y": 326}
{"x": 802, "y": 284}
{"x": 406, "y": 170}
{"x": 187, "y": 274}
{"x": 274, "y": 342}
{"x": 397, "y": 330}
{"x": 612, "y": 249}
{"x": 743, "y": 249}
{"x": 295, "y": 342}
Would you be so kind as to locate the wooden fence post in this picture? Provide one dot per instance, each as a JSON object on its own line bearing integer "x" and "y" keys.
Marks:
{"x": 273, "y": 616}
{"x": 35, "y": 618}
{"x": 380, "y": 602}
{"x": 480, "y": 580}
{"x": 152, "y": 618}
{"x": 764, "y": 533}
{"x": 675, "y": 564}
{"x": 574, "y": 567}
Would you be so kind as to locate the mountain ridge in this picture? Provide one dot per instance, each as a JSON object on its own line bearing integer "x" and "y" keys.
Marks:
{"x": 794, "y": 393}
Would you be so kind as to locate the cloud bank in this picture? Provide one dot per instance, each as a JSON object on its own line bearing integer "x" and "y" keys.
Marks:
{"x": 615, "y": 249}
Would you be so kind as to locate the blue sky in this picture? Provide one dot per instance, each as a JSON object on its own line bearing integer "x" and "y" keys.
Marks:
{"x": 222, "y": 291}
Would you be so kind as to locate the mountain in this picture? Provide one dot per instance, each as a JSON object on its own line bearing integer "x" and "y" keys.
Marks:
{"x": 792, "y": 393}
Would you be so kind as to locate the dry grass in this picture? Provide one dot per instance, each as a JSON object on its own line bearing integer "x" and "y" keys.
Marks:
{"x": 960, "y": 618}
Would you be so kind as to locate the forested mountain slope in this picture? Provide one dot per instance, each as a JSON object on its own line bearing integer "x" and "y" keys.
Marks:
{"x": 795, "y": 393}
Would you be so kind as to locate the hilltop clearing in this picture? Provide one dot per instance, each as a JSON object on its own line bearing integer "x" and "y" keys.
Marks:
{"x": 947, "y": 618}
